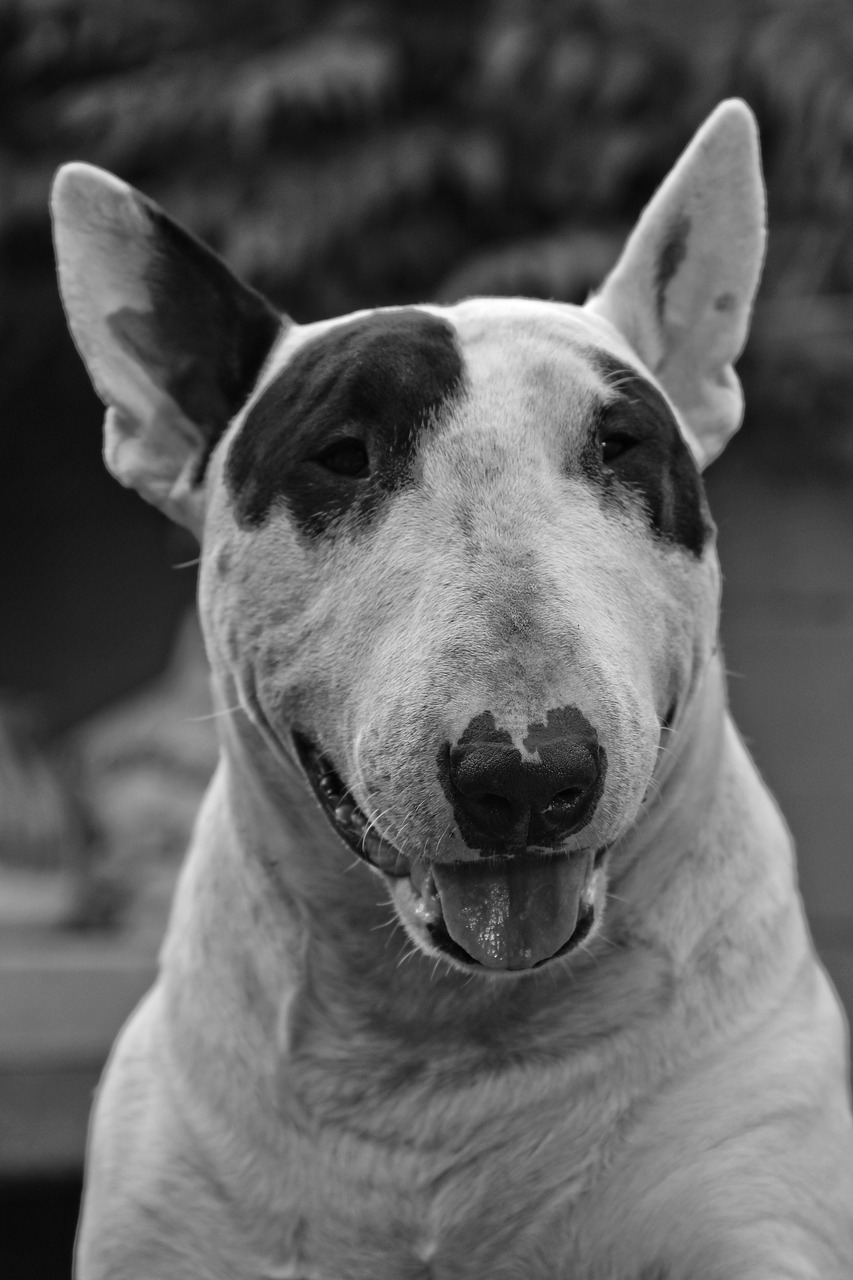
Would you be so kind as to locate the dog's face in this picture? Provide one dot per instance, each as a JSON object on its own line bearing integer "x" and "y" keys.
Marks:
{"x": 464, "y": 558}
{"x": 457, "y": 561}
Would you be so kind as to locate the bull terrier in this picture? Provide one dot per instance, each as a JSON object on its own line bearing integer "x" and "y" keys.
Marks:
{"x": 487, "y": 961}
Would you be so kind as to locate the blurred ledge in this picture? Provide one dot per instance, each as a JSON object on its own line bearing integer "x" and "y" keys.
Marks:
{"x": 64, "y": 1011}
{"x": 44, "y": 1116}
{"x": 58, "y": 1019}
{"x": 60, "y": 1011}
{"x": 64, "y": 995}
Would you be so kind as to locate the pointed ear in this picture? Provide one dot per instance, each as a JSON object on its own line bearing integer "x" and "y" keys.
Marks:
{"x": 172, "y": 340}
{"x": 682, "y": 292}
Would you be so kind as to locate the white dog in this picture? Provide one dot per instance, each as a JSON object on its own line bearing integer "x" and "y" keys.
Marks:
{"x": 487, "y": 960}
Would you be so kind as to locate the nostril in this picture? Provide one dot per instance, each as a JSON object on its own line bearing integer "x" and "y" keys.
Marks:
{"x": 566, "y": 799}
{"x": 494, "y": 812}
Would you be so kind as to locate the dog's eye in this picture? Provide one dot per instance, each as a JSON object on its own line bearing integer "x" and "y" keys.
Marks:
{"x": 346, "y": 458}
{"x": 613, "y": 446}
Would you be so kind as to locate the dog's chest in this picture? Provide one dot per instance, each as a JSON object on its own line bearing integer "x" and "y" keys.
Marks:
{"x": 482, "y": 1180}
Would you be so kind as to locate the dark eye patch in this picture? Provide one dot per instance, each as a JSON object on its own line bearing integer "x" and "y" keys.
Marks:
{"x": 636, "y": 448}
{"x": 338, "y": 429}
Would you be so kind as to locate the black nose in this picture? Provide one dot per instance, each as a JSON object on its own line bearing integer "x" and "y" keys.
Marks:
{"x": 503, "y": 798}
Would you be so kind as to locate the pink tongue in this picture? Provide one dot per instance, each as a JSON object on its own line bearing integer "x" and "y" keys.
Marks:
{"x": 510, "y": 913}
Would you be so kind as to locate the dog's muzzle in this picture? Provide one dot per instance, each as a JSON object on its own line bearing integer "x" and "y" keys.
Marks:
{"x": 512, "y": 908}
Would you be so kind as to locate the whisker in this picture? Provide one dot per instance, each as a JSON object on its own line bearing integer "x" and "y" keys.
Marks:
{"x": 407, "y": 955}
{"x": 385, "y": 924}
{"x": 654, "y": 790}
{"x": 604, "y": 941}
{"x": 214, "y": 715}
{"x": 409, "y": 816}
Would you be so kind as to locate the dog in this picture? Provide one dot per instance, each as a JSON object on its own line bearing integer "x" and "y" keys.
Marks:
{"x": 487, "y": 958}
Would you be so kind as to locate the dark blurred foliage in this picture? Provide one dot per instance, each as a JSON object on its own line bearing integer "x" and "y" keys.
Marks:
{"x": 344, "y": 155}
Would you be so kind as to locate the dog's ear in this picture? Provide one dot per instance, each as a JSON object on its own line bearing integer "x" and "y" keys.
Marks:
{"x": 172, "y": 340}
{"x": 682, "y": 292}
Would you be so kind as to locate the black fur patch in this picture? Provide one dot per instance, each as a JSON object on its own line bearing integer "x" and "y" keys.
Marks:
{"x": 656, "y": 465}
{"x": 208, "y": 334}
{"x": 672, "y": 253}
{"x": 375, "y": 384}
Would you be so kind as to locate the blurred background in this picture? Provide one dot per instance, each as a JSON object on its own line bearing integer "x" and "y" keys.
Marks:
{"x": 343, "y": 155}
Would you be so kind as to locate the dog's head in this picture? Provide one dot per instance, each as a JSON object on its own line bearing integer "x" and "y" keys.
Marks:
{"x": 457, "y": 562}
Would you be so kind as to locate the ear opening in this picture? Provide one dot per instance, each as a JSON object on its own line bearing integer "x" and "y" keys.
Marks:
{"x": 683, "y": 290}
{"x": 172, "y": 340}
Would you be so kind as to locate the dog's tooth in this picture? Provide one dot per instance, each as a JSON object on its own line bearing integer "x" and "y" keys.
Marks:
{"x": 344, "y": 812}
{"x": 428, "y": 906}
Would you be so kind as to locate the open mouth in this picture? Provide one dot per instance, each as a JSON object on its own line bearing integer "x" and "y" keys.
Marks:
{"x": 348, "y": 820}
{"x": 512, "y": 912}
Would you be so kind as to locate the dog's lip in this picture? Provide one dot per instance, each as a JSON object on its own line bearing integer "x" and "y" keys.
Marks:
{"x": 345, "y": 814}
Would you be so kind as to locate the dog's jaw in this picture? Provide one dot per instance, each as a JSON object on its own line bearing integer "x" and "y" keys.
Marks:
{"x": 415, "y": 884}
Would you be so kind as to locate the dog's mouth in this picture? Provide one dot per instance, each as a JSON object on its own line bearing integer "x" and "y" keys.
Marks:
{"x": 512, "y": 912}
{"x": 342, "y": 810}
